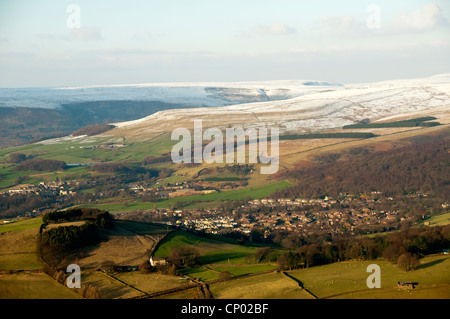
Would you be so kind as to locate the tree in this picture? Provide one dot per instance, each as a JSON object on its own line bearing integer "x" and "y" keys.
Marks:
{"x": 224, "y": 275}
{"x": 408, "y": 261}
{"x": 184, "y": 256}
{"x": 332, "y": 253}
{"x": 262, "y": 253}
{"x": 17, "y": 157}
{"x": 393, "y": 252}
{"x": 145, "y": 267}
{"x": 311, "y": 255}
{"x": 294, "y": 260}
{"x": 418, "y": 246}
{"x": 282, "y": 262}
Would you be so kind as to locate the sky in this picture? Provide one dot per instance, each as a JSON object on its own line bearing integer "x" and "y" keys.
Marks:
{"x": 56, "y": 43}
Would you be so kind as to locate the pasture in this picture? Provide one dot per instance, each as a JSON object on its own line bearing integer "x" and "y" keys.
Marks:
{"x": 211, "y": 251}
{"x": 348, "y": 279}
{"x": 33, "y": 286}
{"x": 265, "y": 286}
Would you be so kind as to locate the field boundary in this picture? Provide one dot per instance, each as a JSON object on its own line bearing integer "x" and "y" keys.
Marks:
{"x": 300, "y": 284}
{"x": 122, "y": 282}
{"x": 386, "y": 288}
{"x": 164, "y": 292}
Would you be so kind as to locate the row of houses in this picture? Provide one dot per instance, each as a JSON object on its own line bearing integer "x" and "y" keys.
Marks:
{"x": 43, "y": 188}
{"x": 296, "y": 202}
{"x": 170, "y": 191}
{"x": 304, "y": 222}
{"x": 209, "y": 225}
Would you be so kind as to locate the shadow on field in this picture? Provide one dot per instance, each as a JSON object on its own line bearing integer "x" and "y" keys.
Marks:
{"x": 432, "y": 263}
{"x": 221, "y": 257}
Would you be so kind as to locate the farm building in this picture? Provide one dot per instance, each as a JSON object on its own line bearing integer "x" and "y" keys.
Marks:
{"x": 157, "y": 261}
{"x": 407, "y": 284}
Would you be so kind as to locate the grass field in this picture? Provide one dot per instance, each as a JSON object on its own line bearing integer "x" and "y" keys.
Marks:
{"x": 213, "y": 272}
{"x": 21, "y": 224}
{"x": 143, "y": 228}
{"x": 33, "y": 286}
{"x": 18, "y": 250}
{"x": 76, "y": 151}
{"x": 344, "y": 280}
{"x": 211, "y": 251}
{"x": 117, "y": 205}
{"x": 245, "y": 269}
{"x": 339, "y": 280}
{"x": 151, "y": 282}
{"x": 184, "y": 294}
{"x": 438, "y": 220}
{"x": 201, "y": 273}
{"x": 348, "y": 279}
{"x": 266, "y": 286}
{"x": 108, "y": 287}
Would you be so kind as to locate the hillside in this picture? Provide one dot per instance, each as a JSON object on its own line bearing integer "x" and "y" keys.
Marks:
{"x": 225, "y": 270}
{"x": 24, "y": 125}
{"x": 419, "y": 165}
{"x": 33, "y": 114}
{"x": 313, "y": 111}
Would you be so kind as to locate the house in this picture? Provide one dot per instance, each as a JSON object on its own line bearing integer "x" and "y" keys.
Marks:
{"x": 406, "y": 284}
{"x": 154, "y": 261}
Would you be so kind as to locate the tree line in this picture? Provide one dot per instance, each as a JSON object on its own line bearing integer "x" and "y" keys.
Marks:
{"x": 56, "y": 243}
{"x": 95, "y": 214}
{"x": 420, "y": 121}
{"x": 39, "y": 164}
{"x": 93, "y": 130}
{"x": 404, "y": 248}
{"x": 412, "y": 168}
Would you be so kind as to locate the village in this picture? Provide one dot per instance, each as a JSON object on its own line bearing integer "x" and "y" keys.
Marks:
{"x": 304, "y": 217}
{"x": 47, "y": 188}
{"x": 346, "y": 214}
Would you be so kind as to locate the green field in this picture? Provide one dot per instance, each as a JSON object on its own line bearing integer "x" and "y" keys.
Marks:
{"x": 21, "y": 224}
{"x": 211, "y": 251}
{"x": 33, "y": 286}
{"x": 143, "y": 228}
{"x": 348, "y": 279}
{"x": 75, "y": 151}
{"x": 213, "y": 272}
{"x": 438, "y": 220}
{"x": 116, "y": 205}
{"x": 241, "y": 194}
{"x": 338, "y": 280}
{"x": 242, "y": 270}
{"x": 201, "y": 273}
{"x": 345, "y": 280}
{"x": 265, "y": 286}
{"x": 18, "y": 249}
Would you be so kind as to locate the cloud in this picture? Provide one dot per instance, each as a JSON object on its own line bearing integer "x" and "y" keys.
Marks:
{"x": 273, "y": 29}
{"x": 86, "y": 34}
{"x": 82, "y": 33}
{"x": 142, "y": 36}
{"x": 425, "y": 18}
{"x": 344, "y": 25}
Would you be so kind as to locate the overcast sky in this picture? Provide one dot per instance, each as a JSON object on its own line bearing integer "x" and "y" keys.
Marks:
{"x": 78, "y": 42}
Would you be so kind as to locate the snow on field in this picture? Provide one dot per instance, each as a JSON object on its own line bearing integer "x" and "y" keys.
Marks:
{"x": 314, "y": 110}
{"x": 291, "y": 105}
{"x": 187, "y": 94}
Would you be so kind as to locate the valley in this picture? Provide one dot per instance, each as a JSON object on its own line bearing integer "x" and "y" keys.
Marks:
{"x": 353, "y": 174}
